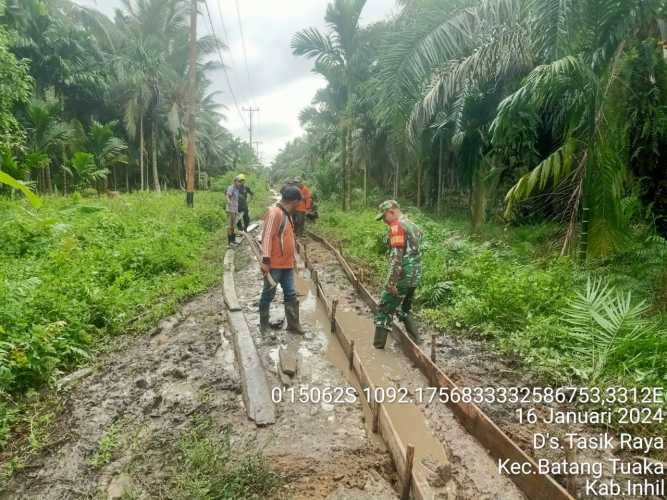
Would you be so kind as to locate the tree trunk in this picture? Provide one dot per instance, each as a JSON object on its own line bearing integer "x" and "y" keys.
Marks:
{"x": 478, "y": 200}
{"x": 348, "y": 170}
{"x": 141, "y": 150}
{"x": 366, "y": 180}
{"x": 127, "y": 179}
{"x": 156, "y": 178}
{"x": 344, "y": 170}
{"x": 419, "y": 183}
{"x": 440, "y": 180}
{"x": 49, "y": 186}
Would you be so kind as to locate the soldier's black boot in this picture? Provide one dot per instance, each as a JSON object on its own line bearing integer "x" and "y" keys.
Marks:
{"x": 380, "y": 338}
{"x": 292, "y": 315}
{"x": 412, "y": 328}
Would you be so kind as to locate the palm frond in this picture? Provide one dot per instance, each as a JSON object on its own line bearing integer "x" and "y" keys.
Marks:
{"x": 554, "y": 168}
{"x": 603, "y": 327}
{"x": 315, "y": 45}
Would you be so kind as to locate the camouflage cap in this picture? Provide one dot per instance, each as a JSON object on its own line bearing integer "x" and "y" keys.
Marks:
{"x": 386, "y": 205}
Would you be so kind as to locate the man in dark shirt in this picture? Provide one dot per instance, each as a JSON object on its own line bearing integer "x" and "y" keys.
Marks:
{"x": 244, "y": 192}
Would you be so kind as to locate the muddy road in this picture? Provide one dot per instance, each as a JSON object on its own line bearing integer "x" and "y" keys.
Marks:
{"x": 119, "y": 425}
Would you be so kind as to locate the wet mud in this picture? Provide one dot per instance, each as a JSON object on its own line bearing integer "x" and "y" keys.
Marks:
{"x": 328, "y": 442}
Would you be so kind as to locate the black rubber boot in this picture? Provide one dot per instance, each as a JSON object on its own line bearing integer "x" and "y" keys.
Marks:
{"x": 264, "y": 326}
{"x": 292, "y": 315}
{"x": 380, "y": 338}
{"x": 412, "y": 328}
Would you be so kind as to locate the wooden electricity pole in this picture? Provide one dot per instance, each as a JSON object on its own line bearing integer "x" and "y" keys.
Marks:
{"x": 190, "y": 159}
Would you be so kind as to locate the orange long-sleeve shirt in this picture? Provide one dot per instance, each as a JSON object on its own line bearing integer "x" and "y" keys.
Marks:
{"x": 279, "y": 248}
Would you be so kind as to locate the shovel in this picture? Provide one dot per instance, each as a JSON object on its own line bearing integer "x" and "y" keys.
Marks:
{"x": 255, "y": 251}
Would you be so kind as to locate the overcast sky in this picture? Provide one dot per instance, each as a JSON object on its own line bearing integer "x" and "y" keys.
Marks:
{"x": 279, "y": 83}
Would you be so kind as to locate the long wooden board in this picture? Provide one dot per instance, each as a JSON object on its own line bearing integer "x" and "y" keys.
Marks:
{"x": 476, "y": 422}
{"x": 256, "y": 393}
{"x": 228, "y": 288}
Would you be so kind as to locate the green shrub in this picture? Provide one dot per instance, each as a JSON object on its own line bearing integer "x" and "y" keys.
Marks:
{"x": 77, "y": 270}
{"x": 511, "y": 286}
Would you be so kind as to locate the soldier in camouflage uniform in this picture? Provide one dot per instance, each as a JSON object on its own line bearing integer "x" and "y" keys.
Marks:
{"x": 404, "y": 273}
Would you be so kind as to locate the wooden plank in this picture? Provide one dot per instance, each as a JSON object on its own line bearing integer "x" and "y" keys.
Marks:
{"x": 256, "y": 393}
{"x": 228, "y": 287}
{"x": 419, "y": 486}
{"x": 287, "y": 359}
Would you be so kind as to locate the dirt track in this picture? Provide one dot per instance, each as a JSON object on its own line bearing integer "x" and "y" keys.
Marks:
{"x": 153, "y": 387}
{"x": 472, "y": 363}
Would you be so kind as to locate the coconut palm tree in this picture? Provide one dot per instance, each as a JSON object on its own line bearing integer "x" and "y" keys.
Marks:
{"x": 336, "y": 55}
{"x": 150, "y": 28}
{"x": 46, "y": 134}
{"x": 576, "y": 94}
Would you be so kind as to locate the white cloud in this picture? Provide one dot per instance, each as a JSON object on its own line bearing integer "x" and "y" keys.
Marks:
{"x": 280, "y": 83}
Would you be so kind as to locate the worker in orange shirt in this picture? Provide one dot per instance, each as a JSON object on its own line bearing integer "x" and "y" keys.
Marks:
{"x": 303, "y": 208}
{"x": 278, "y": 260}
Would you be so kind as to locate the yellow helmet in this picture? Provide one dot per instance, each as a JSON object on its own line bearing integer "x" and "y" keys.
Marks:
{"x": 241, "y": 177}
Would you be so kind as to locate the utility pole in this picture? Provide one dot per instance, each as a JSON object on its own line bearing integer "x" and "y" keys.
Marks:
{"x": 250, "y": 111}
{"x": 256, "y": 144}
{"x": 190, "y": 159}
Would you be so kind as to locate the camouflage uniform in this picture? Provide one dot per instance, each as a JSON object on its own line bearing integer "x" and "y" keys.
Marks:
{"x": 405, "y": 268}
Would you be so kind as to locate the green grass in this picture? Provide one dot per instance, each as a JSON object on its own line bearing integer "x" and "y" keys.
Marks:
{"x": 215, "y": 464}
{"x": 80, "y": 270}
{"x": 510, "y": 286}
{"x": 105, "y": 448}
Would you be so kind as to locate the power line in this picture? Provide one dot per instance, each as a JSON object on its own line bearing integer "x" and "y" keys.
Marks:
{"x": 224, "y": 32}
{"x": 224, "y": 68}
{"x": 245, "y": 52}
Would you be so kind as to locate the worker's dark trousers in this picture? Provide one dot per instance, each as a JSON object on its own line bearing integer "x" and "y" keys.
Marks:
{"x": 299, "y": 223}
{"x": 244, "y": 219}
{"x": 285, "y": 278}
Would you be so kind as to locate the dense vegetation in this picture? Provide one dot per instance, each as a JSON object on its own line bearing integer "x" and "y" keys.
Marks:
{"x": 90, "y": 102}
{"x": 515, "y": 109}
{"x": 566, "y": 323}
{"x": 83, "y": 269}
